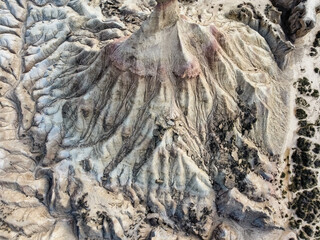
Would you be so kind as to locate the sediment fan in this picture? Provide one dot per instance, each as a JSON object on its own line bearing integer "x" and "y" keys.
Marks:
{"x": 185, "y": 124}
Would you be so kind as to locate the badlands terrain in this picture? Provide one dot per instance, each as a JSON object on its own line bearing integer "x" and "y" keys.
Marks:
{"x": 167, "y": 119}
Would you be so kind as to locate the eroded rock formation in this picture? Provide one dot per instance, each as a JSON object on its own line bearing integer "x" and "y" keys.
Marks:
{"x": 299, "y": 17}
{"x": 133, "y": 121}
{"x": 274, "y": 36}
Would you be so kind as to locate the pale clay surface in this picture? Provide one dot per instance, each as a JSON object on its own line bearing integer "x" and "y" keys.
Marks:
{"x": 151, "y": 119}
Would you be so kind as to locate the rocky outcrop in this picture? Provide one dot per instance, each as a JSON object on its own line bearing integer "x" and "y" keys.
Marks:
{"x": 274, "y": 36}
{"x": 299, "y": 17}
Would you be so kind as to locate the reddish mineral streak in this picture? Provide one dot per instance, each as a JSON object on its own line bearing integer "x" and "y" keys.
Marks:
{"x": 191, "y": 69}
